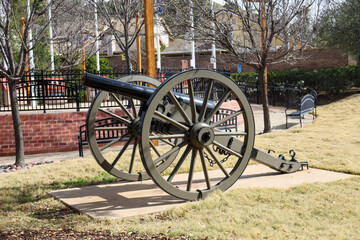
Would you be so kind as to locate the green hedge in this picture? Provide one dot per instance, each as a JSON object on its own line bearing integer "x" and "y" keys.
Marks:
{"x": 330, "y": 80}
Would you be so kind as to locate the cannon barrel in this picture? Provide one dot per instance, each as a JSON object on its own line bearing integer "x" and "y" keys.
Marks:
{"x": 115, "y": 86}
{"x": 126, "y": 89}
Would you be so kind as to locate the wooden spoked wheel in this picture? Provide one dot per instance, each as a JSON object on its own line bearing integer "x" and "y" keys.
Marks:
{"x": 112, "y": 132}
{"x": 185, "y": 105}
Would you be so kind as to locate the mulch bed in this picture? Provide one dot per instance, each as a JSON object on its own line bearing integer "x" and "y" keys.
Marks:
{"x": 71, "y": 234}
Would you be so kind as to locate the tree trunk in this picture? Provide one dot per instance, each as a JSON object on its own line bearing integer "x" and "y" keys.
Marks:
{"x": 265, "y": 101}
{"x": 128, "y": 63}
{"x": 19, "y": 140}
{"x": 358, "y": 53}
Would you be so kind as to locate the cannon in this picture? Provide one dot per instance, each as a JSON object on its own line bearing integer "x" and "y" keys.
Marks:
{"x": 173, "y": 130}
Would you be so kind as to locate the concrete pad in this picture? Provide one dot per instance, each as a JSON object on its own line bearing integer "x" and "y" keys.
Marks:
{"x": 124, "y": 199}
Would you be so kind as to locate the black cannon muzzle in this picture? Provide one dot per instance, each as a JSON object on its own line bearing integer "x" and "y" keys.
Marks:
{"x": 130, "y": 90}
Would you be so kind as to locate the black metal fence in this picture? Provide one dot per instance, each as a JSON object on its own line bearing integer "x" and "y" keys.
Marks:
{"x": 277, "y": 95}
{"x": 44, "y": 91}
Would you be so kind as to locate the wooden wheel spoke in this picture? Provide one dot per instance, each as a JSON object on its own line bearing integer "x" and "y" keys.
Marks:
{"x": 217, "y": 106}
{"x": 206, "y": 173}
{"x": 218, "y": 123}
{"x": 133, "y": 156}
{"x": 178, "y": 106}
{"x": 179, "y": 163}
{"x": 167, "y": 136}
{"x": 165, "y": 141}
{"x": 133, "y": 107}
{"x": 192, "y": 100}
{"x": 110, "y": 128}
{"x": 221, "y": 133}
{"x": 113, "y": 142}
{"x": 191, "y": 170}
{"x": 115, "y": 116}
{"x": 121, "y": 152}
{"x": 170, "y": 120}
{"x": 206, "y": 99}
{"x": 227, "y": 149}
{"x": 122, "y": 106}
{"x": 217, "y": 161}
{"x": 152, "y": 145}
{"x": 171, "y": 151}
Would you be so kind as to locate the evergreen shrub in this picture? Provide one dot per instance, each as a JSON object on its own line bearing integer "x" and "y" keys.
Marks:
{"x": 329, "y": 80}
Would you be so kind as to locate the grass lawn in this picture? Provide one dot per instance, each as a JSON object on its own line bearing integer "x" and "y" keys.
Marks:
{"x": 310, "y": 211}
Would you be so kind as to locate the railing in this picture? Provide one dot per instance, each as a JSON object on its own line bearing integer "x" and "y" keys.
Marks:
{"x": 57, "y": 90}
{"x": 44, "y": 91}
{"x": 277, "y": 95}
{"x": 48, "y": 94}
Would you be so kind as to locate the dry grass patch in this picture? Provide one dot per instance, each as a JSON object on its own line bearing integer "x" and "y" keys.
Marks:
{"x": 310, "y": 211}
{"x": 23, "y": 195}
{"x": 331, "y": 142}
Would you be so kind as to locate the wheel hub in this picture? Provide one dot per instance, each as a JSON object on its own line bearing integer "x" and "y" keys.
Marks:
{"x": 134, "y": 126}
{"x": 201, "y": 135}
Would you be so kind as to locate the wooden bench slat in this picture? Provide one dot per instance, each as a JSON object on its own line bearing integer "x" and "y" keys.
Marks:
{"x": 307, "y": 105}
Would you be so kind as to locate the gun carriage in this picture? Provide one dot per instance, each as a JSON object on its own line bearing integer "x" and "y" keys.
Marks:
{"x": 170, "y": 130}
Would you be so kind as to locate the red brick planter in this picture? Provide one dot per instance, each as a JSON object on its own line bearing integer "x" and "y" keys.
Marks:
{"x": 43, "y": 133}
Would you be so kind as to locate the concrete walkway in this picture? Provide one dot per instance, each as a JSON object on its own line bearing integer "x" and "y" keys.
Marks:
{"x": 125, "y": 199}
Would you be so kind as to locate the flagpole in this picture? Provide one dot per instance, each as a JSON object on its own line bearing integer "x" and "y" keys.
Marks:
{"x": 149, "y": 38}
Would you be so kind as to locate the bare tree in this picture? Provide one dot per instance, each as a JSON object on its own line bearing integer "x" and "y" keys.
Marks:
{"x": 267, "y": 31}
{"x": 119, "y": 18}
{"x": 73, "y": 26}
{"x": 15, "y": 47}
{"x": 257, "y": 33}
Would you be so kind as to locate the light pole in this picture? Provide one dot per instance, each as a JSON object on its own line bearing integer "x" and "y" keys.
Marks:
{"x": 158, "y": 53}
{"x": 51, "y": 39}
{"x": 31, "y": 57}
{"x": 138, "y": 43}
{"x": 83, "y": 52}
{"x": 96, "y": 39}
{"x": 213, "y": 47}
{"x": 192, "y": 61}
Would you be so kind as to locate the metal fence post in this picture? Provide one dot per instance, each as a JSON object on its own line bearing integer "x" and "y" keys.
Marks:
{"x": 77, "y": 95}
{"x": 257, "y": 92}
{"x": 273, "y": 95}
{"x": 43, "y": 90}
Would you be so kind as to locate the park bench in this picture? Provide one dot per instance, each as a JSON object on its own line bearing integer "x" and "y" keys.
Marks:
{"x": 106, "y": 136}
{"x": 306, "y": 104}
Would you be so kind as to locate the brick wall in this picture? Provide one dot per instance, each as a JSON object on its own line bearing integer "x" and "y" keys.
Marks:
{"x": 317, "y": 59}
{"x": 50, "y": 132}
{"x": 310, "y": 59}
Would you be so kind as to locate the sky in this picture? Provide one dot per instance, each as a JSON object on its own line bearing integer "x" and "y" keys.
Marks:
{"x": 219, "y": 1}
